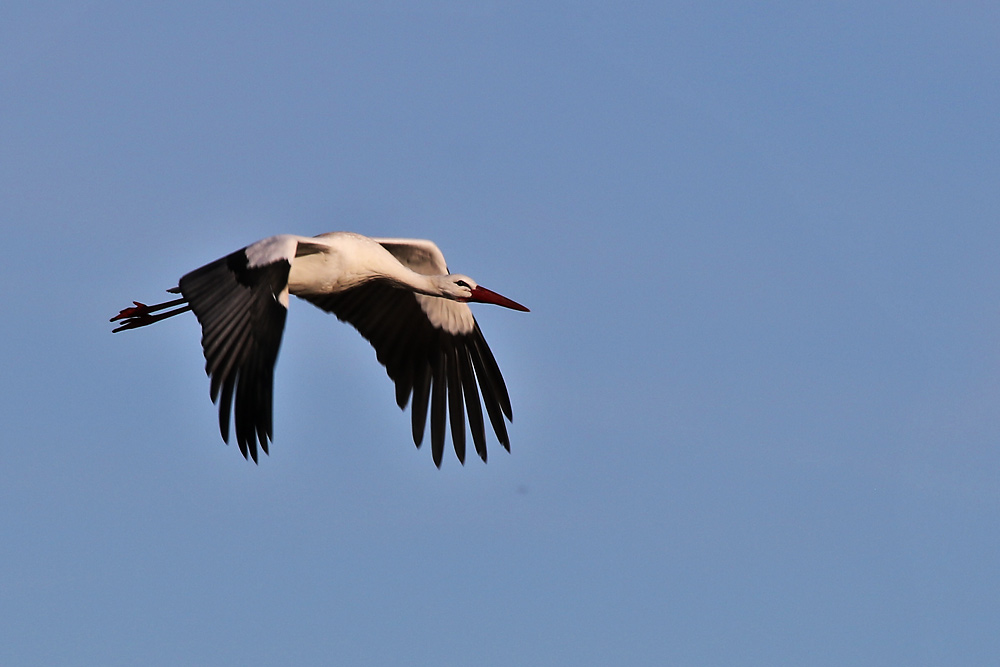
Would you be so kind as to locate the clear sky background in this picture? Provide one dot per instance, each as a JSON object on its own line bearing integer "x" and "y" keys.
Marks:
{"x": 756, "y": 402}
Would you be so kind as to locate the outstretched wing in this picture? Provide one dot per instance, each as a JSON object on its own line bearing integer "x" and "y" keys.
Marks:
{"x": 432, "y": 349}
{"x": 417, "y": 255}
{"x": 241, "y": 302}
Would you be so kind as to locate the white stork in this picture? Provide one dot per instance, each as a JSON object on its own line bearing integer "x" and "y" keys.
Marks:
{"x": 396, "y": 292}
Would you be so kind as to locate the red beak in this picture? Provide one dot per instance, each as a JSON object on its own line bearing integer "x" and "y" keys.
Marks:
{"x": 483, "y": 295}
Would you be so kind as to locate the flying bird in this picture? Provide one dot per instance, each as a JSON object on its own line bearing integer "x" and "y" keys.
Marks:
{"x": 396, "y": 292}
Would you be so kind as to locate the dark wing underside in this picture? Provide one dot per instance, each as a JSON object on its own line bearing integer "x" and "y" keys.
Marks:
{"x": 242, "y": 321}
{"x": 439, "y": 369}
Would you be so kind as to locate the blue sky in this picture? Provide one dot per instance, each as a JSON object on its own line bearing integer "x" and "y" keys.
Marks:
{"x": 755, "y": 403}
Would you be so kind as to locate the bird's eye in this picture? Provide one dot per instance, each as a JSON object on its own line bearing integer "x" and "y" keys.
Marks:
{"x": 462, "y": 283}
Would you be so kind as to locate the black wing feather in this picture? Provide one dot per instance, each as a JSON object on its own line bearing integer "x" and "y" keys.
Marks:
{"x": 455, "y": 402}
{"x": 242, "y": 322}
{"x": 438, "y": 408}
{"x": 439, "y": 370}
{"x": 476, "y": 425}
{"x": 492, "y": 393}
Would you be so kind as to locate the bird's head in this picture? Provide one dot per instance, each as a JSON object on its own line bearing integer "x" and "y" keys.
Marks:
{"x": 464, "y": 289}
